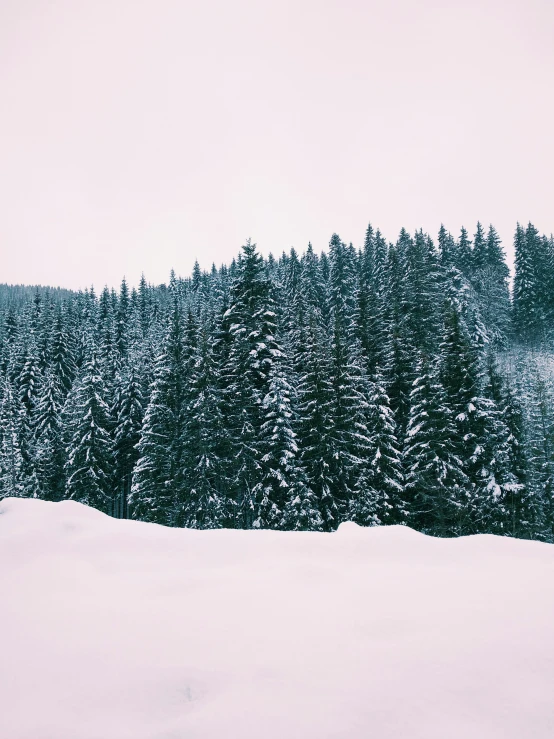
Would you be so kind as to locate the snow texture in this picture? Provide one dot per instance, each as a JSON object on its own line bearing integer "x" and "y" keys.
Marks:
{"x": 116, "y": 629}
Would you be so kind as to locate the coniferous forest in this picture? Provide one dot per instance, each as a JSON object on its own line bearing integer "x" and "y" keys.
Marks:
{"x": 398, "y": 383}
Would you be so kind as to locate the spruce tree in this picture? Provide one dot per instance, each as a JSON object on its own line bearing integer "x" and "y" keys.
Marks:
{"x": 315, "y": 419}
{"x": 156, "y": 490}
{"x": 349, "y": 435}
{"x": 434, "y": 476}
{"x": 47, "y": 443}
{"x": 378, "y": 494}
{"x": 11, "y": 458}
{"x": 128, "y": 412}
{"x": 205, "y": 499}
{"x": 464, "y": 254}
{"x": 282, "y": 479}
{"x": 89, "y": 464}
{"x": 253, "y": 351}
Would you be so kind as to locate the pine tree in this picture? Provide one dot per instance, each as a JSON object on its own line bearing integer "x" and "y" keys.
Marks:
{"x": 63, "y": 364}
{"x": 152, "y": 497}
{"x": 480, "y": 249}
{"x": 371, "y": 304}
{"x": 128, "y": 413}
{"x": 156, "y": 490}
{"x": 282, "y": 480}
{"x": 459, "y": 376}
{"x": 398, "y": 356}
{"x": 349, "y": 434}
{"x": 144, "y": 306}
{"x": 541, "y": 453}
{"x": 523, "y": 516}
{"x": 28, "y": 380}
{"x": 253, "y": 351}
{"x": 47, "y": 443}
{"x": 205, "y": 503}
{"x": 11, "y": 459}
{"x": 122, "y": 315}
{"x": 378, "y": 494}
{"x": 490, "y": 281}
{"x": 433, "y": 473}
{"x": 89, "y": 463}
{"x": 532, "y": 299}
{"x": 315, "y": 421}
{"x": 447, "y": 248}
{"x": 464, "y": 255}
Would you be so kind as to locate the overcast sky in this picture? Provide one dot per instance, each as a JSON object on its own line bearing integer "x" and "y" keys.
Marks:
{"x": 140, "y": 135}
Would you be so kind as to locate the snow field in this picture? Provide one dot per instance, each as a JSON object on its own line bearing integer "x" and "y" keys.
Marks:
{"x": 124, "y": 630}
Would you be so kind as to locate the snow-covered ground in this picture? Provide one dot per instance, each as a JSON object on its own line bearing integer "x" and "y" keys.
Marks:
{"x": 121, "y": 630}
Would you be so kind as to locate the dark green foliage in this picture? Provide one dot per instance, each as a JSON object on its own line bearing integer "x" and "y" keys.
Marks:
{"x": 376, "y": 384}
{"x": 434, "y": 475}
{"x": 12, "y": 479}
{"x": 89, "y": 465}
{"x": 203, "y": 471}
{"x": 47, "y": 441}
{"x": 533, "y": 282}
{"x": 128, "y": 412}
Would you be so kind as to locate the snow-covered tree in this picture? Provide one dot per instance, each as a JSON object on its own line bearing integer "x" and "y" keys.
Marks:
{"x": 89, "y": 465}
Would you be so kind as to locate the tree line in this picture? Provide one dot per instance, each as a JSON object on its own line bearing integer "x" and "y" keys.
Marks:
{"x": 397, "y": 383}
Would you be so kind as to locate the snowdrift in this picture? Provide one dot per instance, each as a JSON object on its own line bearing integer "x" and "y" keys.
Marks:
{"x": 123, "y": 630}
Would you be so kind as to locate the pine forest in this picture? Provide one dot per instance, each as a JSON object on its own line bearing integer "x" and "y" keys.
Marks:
{"x": 400, "y": 383}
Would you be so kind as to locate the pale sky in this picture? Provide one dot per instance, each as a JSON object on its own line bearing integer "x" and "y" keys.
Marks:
{"x": 140, "y": 135}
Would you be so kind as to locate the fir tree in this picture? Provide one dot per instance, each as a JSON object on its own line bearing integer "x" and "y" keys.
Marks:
{"x": 281, "y": 480}
{"x": 89, "y": 464}
{"x": 47, "y": 444}
{"x": 315, "y": 420}
{"x": 205, "y": 503}
{"x": 128, "y": 413}
{"x": 464, "y": 255}
{"x": 253, "y": 351}
{"x": 11, "y": 459}
{"x": 434, "y": 476}
{"x": 156, "y": 491}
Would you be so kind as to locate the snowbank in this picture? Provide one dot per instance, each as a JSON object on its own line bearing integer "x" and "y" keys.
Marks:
{"x": 122, "y": 630}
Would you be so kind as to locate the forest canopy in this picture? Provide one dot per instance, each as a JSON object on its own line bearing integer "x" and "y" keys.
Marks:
{"x": 397, "y": 383}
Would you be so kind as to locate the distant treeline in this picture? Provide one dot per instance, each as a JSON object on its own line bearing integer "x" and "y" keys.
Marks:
{"x": 17, "y": 296}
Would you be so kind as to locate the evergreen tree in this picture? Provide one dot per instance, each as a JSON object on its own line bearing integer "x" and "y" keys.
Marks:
{"x": 156, "y": 492}
{"x": 89, "y": 462}
{"x": 205, "y": 503}
{"x": 122, "y": 313}
{"x": 378, "y": 494}
{"x": 532, "y": 282}
{"x": 282, "y": 480}
{"x": 128, "y": 413}
{"x": 464, "y": 255}
{"x": 11, "y": 458}
{"x": 447, "y": 248}
{"x": 490, "y": 281}
{"x": 349, "y": 434}
{"x": 480, "y": 249}
{"x": 62, "y": 362}
{"x": 253, "y": 351}
{"x": 522, "y": 514}
{"x": 433, "y": 473}
{"x": 47, "y": 443}
{"x": 315, "y": 419}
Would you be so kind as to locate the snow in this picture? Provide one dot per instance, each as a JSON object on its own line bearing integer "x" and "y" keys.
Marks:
{"x": 123, "y": 630}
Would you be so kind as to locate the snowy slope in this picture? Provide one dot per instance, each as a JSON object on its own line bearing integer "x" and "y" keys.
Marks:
{"x": 121, "y": 630}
